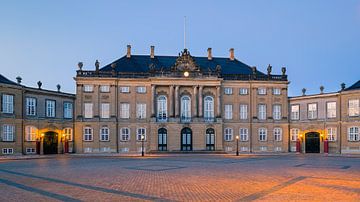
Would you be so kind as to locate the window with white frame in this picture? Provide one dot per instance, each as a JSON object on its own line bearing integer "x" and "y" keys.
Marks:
{"x": 228, "y": 134}
{"x": 50, "y": 108}
{"x": 141, "y": 132}
{"x": 88, "y": 134}
{"x": 353, "y": 134}
{"x": 278, "y": 134}
{"x": 104, "y": 88}
{"x": 261, "y": 91}
{"x": 185, "y": 107}
{"x": 140, "y": 111}
{"x": 68, "y": 132}
{"x": 228, "y": 91}
{"x": 261, "y": 111}
{"x": 7, "y": 104}
{"x": 228, "y": 112}
{"x": 7, "y": 150}
{"x": 294, "y": 134}
{"x": 124, "y": 134}
{"x": 243, "y": 91}
{"x": 331, "y": 110}
{"x": 30, "y": 133}
{"x": 8, "y": 132}
{"x": 295, "y": 112}
{"x": 30, "y": 150}
{"x": 243, "y": 111}
{"x": 331, "y": 134}
{"x": 354, "y": 107}
{"x": 276, "y": 91}
{"x": 162, "y": 108}
{"x": 68, "y": 110}
{"x": 88, "y": 110}
{"x": 30, "y": 106}
{"x": 244, "y": 134}
{"x": 262, "y": 134}
{"x": 124, "y": 110}
{"x": 208, "y": 107}
{"x": 88, "y": 88}
{"x": 141, "y": 89}
{"x": 312, "y": 111}
{"x": 104, "y": 134}
{"x": 277, "y": 112}
{"x": 105, "y": 110}
{"x": 125, "y": 89}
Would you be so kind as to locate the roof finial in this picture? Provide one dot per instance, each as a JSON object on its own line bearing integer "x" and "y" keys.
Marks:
{"x": 184, "y": 32}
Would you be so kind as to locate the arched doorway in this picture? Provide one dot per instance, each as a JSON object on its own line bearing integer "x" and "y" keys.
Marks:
{"x": 162, "y": 139}
{"x": 50, "y": 144}
{"x": 312, "y": 142}
{"x": 210, "y": 139}
{"x": 186, "y": 139}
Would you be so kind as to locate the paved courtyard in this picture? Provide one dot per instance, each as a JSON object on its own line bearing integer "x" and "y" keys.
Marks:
{"x": 181, "y": 178}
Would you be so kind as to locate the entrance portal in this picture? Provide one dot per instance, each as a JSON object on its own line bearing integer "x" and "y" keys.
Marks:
{"x": 162, "y": 139}
{"x": 210, "y": 139}
{"x": 50, "y": 143}
{"x": 186, "y": 139}
{"x": 312, "y": 142}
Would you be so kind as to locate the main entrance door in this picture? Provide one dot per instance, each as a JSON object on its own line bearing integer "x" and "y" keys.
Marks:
{"x": 210, "y": 139}
{"x": 50, "y": 143}
{"x": 186, "y": 139}
{"x": 162, "y": 139}
{"x": 312, "y": 142}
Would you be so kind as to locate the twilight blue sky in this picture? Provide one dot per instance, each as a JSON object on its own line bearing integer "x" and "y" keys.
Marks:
{"x": 317, "y": 40}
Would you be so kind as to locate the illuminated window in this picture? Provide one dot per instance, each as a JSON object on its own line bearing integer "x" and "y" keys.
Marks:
{"x": 124, "y": 134}
{"x": 294, "y": 134}
{"x": 278, "y": 134}
{"x": 88, "y": 110}
{"x": 139, "y": 133}
{"x": 331, "y": 109}
{"x": 68, "y": 132}
{"x": 140, "y": 111}
{"x": 124, "y": 110}
{"x": 295, "y": 112}
{"x": 104, "y": 134}
{"x": 7, "y": 104}
{"x": 243, "y": 111}
{"x": 30, "y": 133}
{"x": 228, "y": 112}
{"x": 312, "y": 111}
{"x": 353, "y": 134}
{"x": 50, "y": 108}
{"x": 354, "y": 108}
{"x": 277, "y": 112}
{"x": 228, "y": 91}
{"x": 88, "y": 134}
{"x": 104, "y": 88}
{"x": 331, "y": 134}
{"x": 88, "y": 88}
{"x": 244, "y": 134}
{"x": 262, "y": 134}
{"x": 8, "y": 132}
{"x": 228, "y": 134}
{"x": 105, "y": 110}
{"x": 261, "y": 111}
{"x": 30, "y": 106}
{"x": 261, "y": 91}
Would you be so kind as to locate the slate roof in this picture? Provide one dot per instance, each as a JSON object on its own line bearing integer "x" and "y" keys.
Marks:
{"x": 5, "y": 80}
{"x": 140, "y": 63}
{"x": 355, "y": 86}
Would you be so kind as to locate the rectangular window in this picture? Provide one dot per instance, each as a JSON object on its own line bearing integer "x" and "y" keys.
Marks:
{"x": 124, "y": 110}
{"x": 243, "y": 91}
{"x": 68, "y": 110}
{"x": 262, "y": 134}
{"x": 141, "y": 111}
{"x": 277, "y": 134}
{"x": 68, "y": 134}
{"x": 354, "y": 107}
{"x": 141, "y": 89}
{"x": 277, "y": 112}
{"x": 294, "y": 134}
{"x": 141, "y": 134}
{"x": 88, "y": 110}
{"x": 353, "y": 134}
{"x": 7, "y": 150}
{"x": 295, "y": 112}
{"x": 331, "y": 134}
{"x": 228, "y": 112}
{"x": 30, "y": 133}
{"x": 7, "y": 103}
{"x": 312, "y": 111}
{"x": 88, "y": 134}
{"x": 262, "y": 112}
{"x": 8, "y": 132}
{"x": 30, "y": 106}
{"x": 244, "y": 134}
{"x": 125, "y": 89}
{"x": 331, "y": 110}
{"x": 104, "y": 134}
{"x": 104, "y": 88}
{"x": 125, "y": 134}
{"x": 88, "y": 88}
{"x": 228, "y": 91}
{"x": 228, "y": 135}
{"x": 105, "y": 110}
{"x": 30, "y": 150}
{"x": 243, "y": 111}
{"x": 261, "y": 91}
{"x": 50, "y": 108}
{"x": 276, "y": 91}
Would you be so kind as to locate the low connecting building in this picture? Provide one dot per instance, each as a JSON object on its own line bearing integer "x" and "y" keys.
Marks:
{"x": 177, "y": 103}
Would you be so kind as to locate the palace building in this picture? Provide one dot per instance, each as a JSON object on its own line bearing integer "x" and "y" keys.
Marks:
{"x": 178, "y": 103}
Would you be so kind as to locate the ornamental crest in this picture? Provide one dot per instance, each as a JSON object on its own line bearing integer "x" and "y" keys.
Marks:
{"x": 185, "y": 62}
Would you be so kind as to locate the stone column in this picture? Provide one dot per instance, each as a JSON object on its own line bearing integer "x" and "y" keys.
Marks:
{"x": 171, "y": 101}
{"x": 218, "y": 94}
{"x": 176, "y": 101}
{"x": 200, "y": 108}
{"x": 153, "y": 102}
{"x": 195, "y": 97}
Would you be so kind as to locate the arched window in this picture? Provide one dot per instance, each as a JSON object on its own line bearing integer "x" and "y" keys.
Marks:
{"x": 104, "y": 134}
{"x": 162, "y": 108}
{"x": 68, "y": 132}
{"x": 185, "y": 108}
{"x": 208, "y": 108}
{"x": 124, "y": 134}
{"x": 88, "y": 134}
{"x": 30, "y": 133}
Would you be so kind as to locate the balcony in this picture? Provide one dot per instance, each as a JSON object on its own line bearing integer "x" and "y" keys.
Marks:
{"x": 162, "y": 118}
{"x": 209, "y": 119}
{"x": 185, "y": 119}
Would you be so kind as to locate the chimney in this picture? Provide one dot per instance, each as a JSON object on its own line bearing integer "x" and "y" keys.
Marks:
{"x": 152, "y": 51}
{"x": 209, "y": 54}
{"x": 232, "y": 56}
{"x": 128, "y": 53}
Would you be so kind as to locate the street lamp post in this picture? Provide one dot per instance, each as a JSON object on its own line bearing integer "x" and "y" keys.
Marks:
{"x": 237, "y": 145}
{"x": 142, "y": 144}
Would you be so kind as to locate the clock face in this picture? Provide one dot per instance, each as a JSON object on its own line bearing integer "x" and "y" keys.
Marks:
{"x": 186, "y": 74}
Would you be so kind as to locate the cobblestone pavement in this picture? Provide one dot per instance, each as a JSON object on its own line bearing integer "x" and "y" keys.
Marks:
{"x": 181, "y": 178}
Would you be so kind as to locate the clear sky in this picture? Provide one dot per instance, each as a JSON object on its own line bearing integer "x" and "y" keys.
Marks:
{"x": 318, "y": 41}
